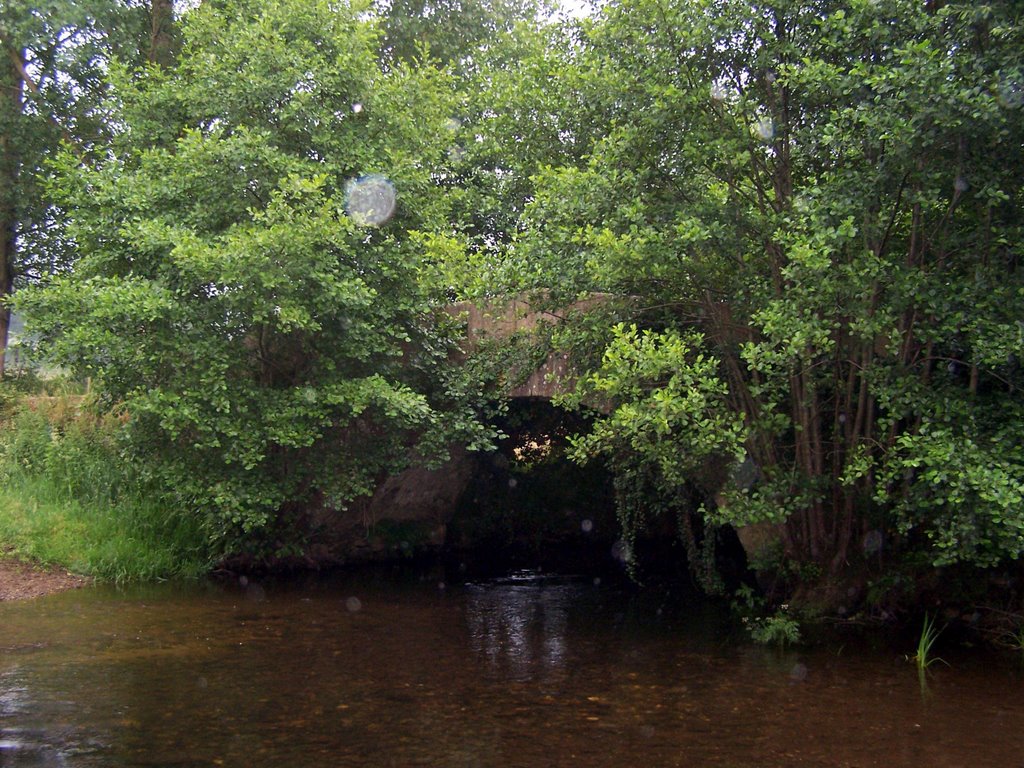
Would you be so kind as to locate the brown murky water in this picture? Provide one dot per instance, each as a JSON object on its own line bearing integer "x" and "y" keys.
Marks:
{"x": 368, "y": 671}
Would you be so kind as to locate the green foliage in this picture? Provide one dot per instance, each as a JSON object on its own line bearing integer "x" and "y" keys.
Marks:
{"x": 1014, "y": 639}
{"x": 967, "y": 487}
{"x": 53, "y": 57}
{"x": 270, "y": 345}
{"x": 664, "y": 416}
{"x": 69, "y": 497}
{"x": 447, "y": 31}
{"x": 521, "y": 112}
{"x": 777, "y": 628}
{"x": 797, "y": 225}
{"x": 783, "y": 573}
{"x": 669, "y": 403}
{"x": 817, "y": 211}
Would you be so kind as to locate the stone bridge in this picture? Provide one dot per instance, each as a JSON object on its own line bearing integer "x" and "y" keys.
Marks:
{"x": 416, "y": 506}
{"x": 415, "y": 509}
{"x": 506, "y": 318}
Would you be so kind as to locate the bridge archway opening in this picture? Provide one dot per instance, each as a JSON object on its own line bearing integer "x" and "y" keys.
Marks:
{"x": 529, "y": 504}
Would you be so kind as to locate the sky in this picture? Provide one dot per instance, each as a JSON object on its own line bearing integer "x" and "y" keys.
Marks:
{"x": 575, "y": 9}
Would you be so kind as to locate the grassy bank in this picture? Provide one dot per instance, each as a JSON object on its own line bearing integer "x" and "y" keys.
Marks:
{"x": 68, "y": 497}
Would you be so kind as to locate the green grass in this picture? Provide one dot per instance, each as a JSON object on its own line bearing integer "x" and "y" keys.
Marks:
{"x": 929, "y": 634}
{"x": 1013, "y": 639}
{"x": 133, "y": 540}
{"x": 68, "y": 498}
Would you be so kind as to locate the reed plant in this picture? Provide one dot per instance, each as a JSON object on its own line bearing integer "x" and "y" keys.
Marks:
{"x": 70, "y": 497}
{"x": 1014, "y": 639}
{"x": 923, "y": 658}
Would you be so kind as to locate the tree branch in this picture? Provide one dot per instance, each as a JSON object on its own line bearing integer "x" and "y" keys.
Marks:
{"x": 19, "y": 64}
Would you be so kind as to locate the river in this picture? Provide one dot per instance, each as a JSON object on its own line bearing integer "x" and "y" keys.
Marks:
{"x": 372, "y": 669}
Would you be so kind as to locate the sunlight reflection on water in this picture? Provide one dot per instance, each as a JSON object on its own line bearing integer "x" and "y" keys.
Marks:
{"x": 519, "y": 626}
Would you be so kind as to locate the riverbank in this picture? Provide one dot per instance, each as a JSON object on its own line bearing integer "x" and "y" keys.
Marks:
{"x": 68, "y": 497}
{"x": 21, "y": 581}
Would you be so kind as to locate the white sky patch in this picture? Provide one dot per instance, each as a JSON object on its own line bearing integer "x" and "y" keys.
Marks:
{"x": 576, "y": 9}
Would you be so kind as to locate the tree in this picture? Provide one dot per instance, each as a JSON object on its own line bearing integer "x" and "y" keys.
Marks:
{"x": 53, "y": 56}
{"x": 10, "y": 107}
{"x": 257, "y": 285}
{"x": 163, "y": 33}
{"x": 451, "y": 32}
{"x": 824, "y": 199}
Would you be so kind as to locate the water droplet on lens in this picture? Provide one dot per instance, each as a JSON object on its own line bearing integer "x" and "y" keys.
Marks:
{"x": 370, "y": 200}
{"x": 512, "y": 482}
{"x": 353, "y": 604}
{"x": 243, "y": 581}
{"x": 960, "y": 185}
{"x": 1011, "y": 91}
{"x": 453, "y": 124}
{"x": 357, "y": 107}
{"x": 717, "y": 92}
{"x": 798, "y": 673}
{"x": 587, "y": 526}
{"x": 764, "y": 129}
{"x": 745, "y": 475}
{"x": 872, "y": 542}
{"x": 255, "y": 593}
{"x": 597, "y": 581}
{"x": 622, "y": 551}
{"x": 442, "y": 586}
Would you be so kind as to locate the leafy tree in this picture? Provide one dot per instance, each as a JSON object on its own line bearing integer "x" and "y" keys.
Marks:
{"x": 816, "y": 205}
{"x": 257, "y": 283}
{"x": 447, "y": 31}
{"x": 53, "y": 56}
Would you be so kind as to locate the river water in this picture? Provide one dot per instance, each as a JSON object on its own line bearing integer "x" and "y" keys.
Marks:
{"x": 375, "y": 670}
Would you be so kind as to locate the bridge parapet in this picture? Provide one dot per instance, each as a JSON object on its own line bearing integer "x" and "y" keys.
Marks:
{"x": 502, "y": 319}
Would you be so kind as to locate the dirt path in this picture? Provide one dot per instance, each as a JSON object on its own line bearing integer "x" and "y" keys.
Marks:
{"x": 19, "y": 581}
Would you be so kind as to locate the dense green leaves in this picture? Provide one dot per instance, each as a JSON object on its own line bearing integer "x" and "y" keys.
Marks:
{"x": 824, "y": 198}
{"x": 272, "y": 349}
{"x": 668, "y": 404}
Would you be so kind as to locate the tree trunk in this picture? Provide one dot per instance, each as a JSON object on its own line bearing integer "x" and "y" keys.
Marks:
{"x": 11, "y": 99}
{"x": 163, "y": 48}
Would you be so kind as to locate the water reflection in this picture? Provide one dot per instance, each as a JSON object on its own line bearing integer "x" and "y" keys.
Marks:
{"x": 519, "y": 624}
{"x": 23, "y": 745}
{"x": 524, "y": 671}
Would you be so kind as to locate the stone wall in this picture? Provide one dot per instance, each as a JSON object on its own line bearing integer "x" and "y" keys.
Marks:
{"x": 408, "y": 512}
{"x": 502, "y": 319}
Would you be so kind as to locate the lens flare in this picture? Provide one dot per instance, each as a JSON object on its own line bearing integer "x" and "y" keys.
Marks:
{"x": 370, "y": 200}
